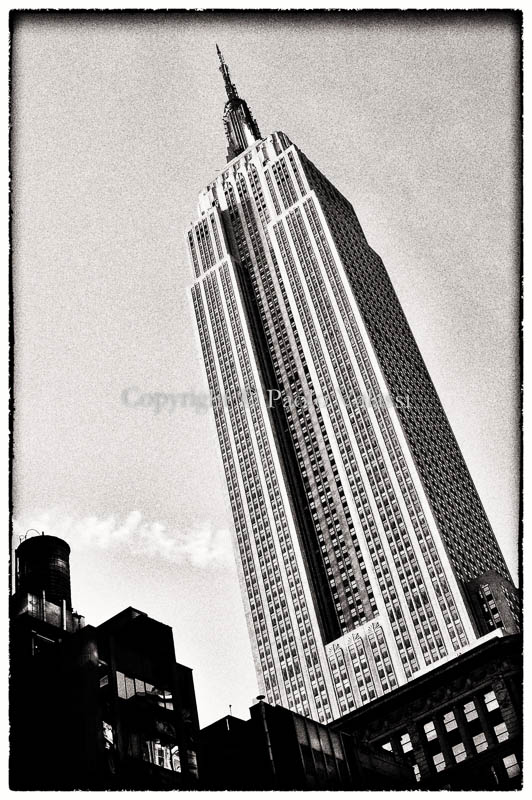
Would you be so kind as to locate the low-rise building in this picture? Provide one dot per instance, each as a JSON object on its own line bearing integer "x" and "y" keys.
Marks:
{"x": 93, "y": 707}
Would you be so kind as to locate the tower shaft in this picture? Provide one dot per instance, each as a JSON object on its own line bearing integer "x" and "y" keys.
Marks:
{"x": 363, "y": 548}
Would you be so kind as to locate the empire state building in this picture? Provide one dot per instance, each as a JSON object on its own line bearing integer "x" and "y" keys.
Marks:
{"x": 364, "y": 552}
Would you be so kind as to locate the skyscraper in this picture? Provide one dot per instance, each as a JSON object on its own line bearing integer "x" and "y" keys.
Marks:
{"x": 364, "y": 553}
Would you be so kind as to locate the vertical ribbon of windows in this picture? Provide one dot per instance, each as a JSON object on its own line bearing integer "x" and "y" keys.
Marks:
{"x": 243, "y": 534}
{"x": 254, "y": 258}
{"x": 427, "y": 546}
{"x": 216, "y": 234}
{"x": 318, "y": 484}
{"x": 193, "y": 254}
{"x": 420, "y": 607}
{"x": 460, "y": 516}
{"x": 284, "y": 183}
{"x": 291, "y": 371}
{"x": 295, "y": 591}
{"x": 380, "y": 564}
{"x": 255, "y": 497}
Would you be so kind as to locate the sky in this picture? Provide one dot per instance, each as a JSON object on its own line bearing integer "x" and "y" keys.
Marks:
{"x": 116, "y": 128}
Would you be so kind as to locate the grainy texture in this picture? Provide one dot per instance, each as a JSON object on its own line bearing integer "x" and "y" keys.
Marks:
{"x": 116, "y": 126}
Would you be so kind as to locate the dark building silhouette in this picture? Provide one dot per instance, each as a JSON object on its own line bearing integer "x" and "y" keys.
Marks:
{"x": 93, "y": 707}
{"x": 278, "y": 749}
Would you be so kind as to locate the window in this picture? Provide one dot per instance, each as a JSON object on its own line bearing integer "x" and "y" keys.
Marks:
{"x": 511, "y": 765}
{"x": 387, "y": 746}
{"x": 121, "y": 685}
{"x": 129, "y": 687}
{"x": 449, "y": 721}
{"x": 491, "y": 701}
{"x": 406, "y": 744}
{"x": 439, "y": 762}
{"x": 459, "y": 752}
{"x": 501, "y": 732}
{"x": 480, "y": 742}
{"x": 164, "y": 755}
{"x": 470, "y": 711}
{"x": 417, "y": 773}
{"x": 108, "y": 734}
{"x": 430, "y": 731}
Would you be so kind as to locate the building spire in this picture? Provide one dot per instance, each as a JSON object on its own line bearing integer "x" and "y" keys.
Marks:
{"x": 240, "y": 126}
{"x": 230, "y": 87}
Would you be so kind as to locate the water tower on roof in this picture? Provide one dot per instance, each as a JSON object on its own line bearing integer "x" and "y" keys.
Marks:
{"x": 42, "y": 581}
{"x": 43, "y": 565}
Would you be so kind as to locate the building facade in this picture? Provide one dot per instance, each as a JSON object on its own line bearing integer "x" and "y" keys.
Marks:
{"x": 361, "y": 541}
{"x": 458, "y": 726}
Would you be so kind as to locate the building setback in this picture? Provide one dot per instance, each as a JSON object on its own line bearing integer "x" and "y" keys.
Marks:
{"x": 364, "y": 553}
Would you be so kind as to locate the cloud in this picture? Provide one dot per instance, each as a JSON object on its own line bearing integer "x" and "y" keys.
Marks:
{"x": 199, "y": 546}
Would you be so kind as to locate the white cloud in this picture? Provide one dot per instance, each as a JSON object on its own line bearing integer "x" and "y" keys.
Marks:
{"x": 200, "y": 546}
